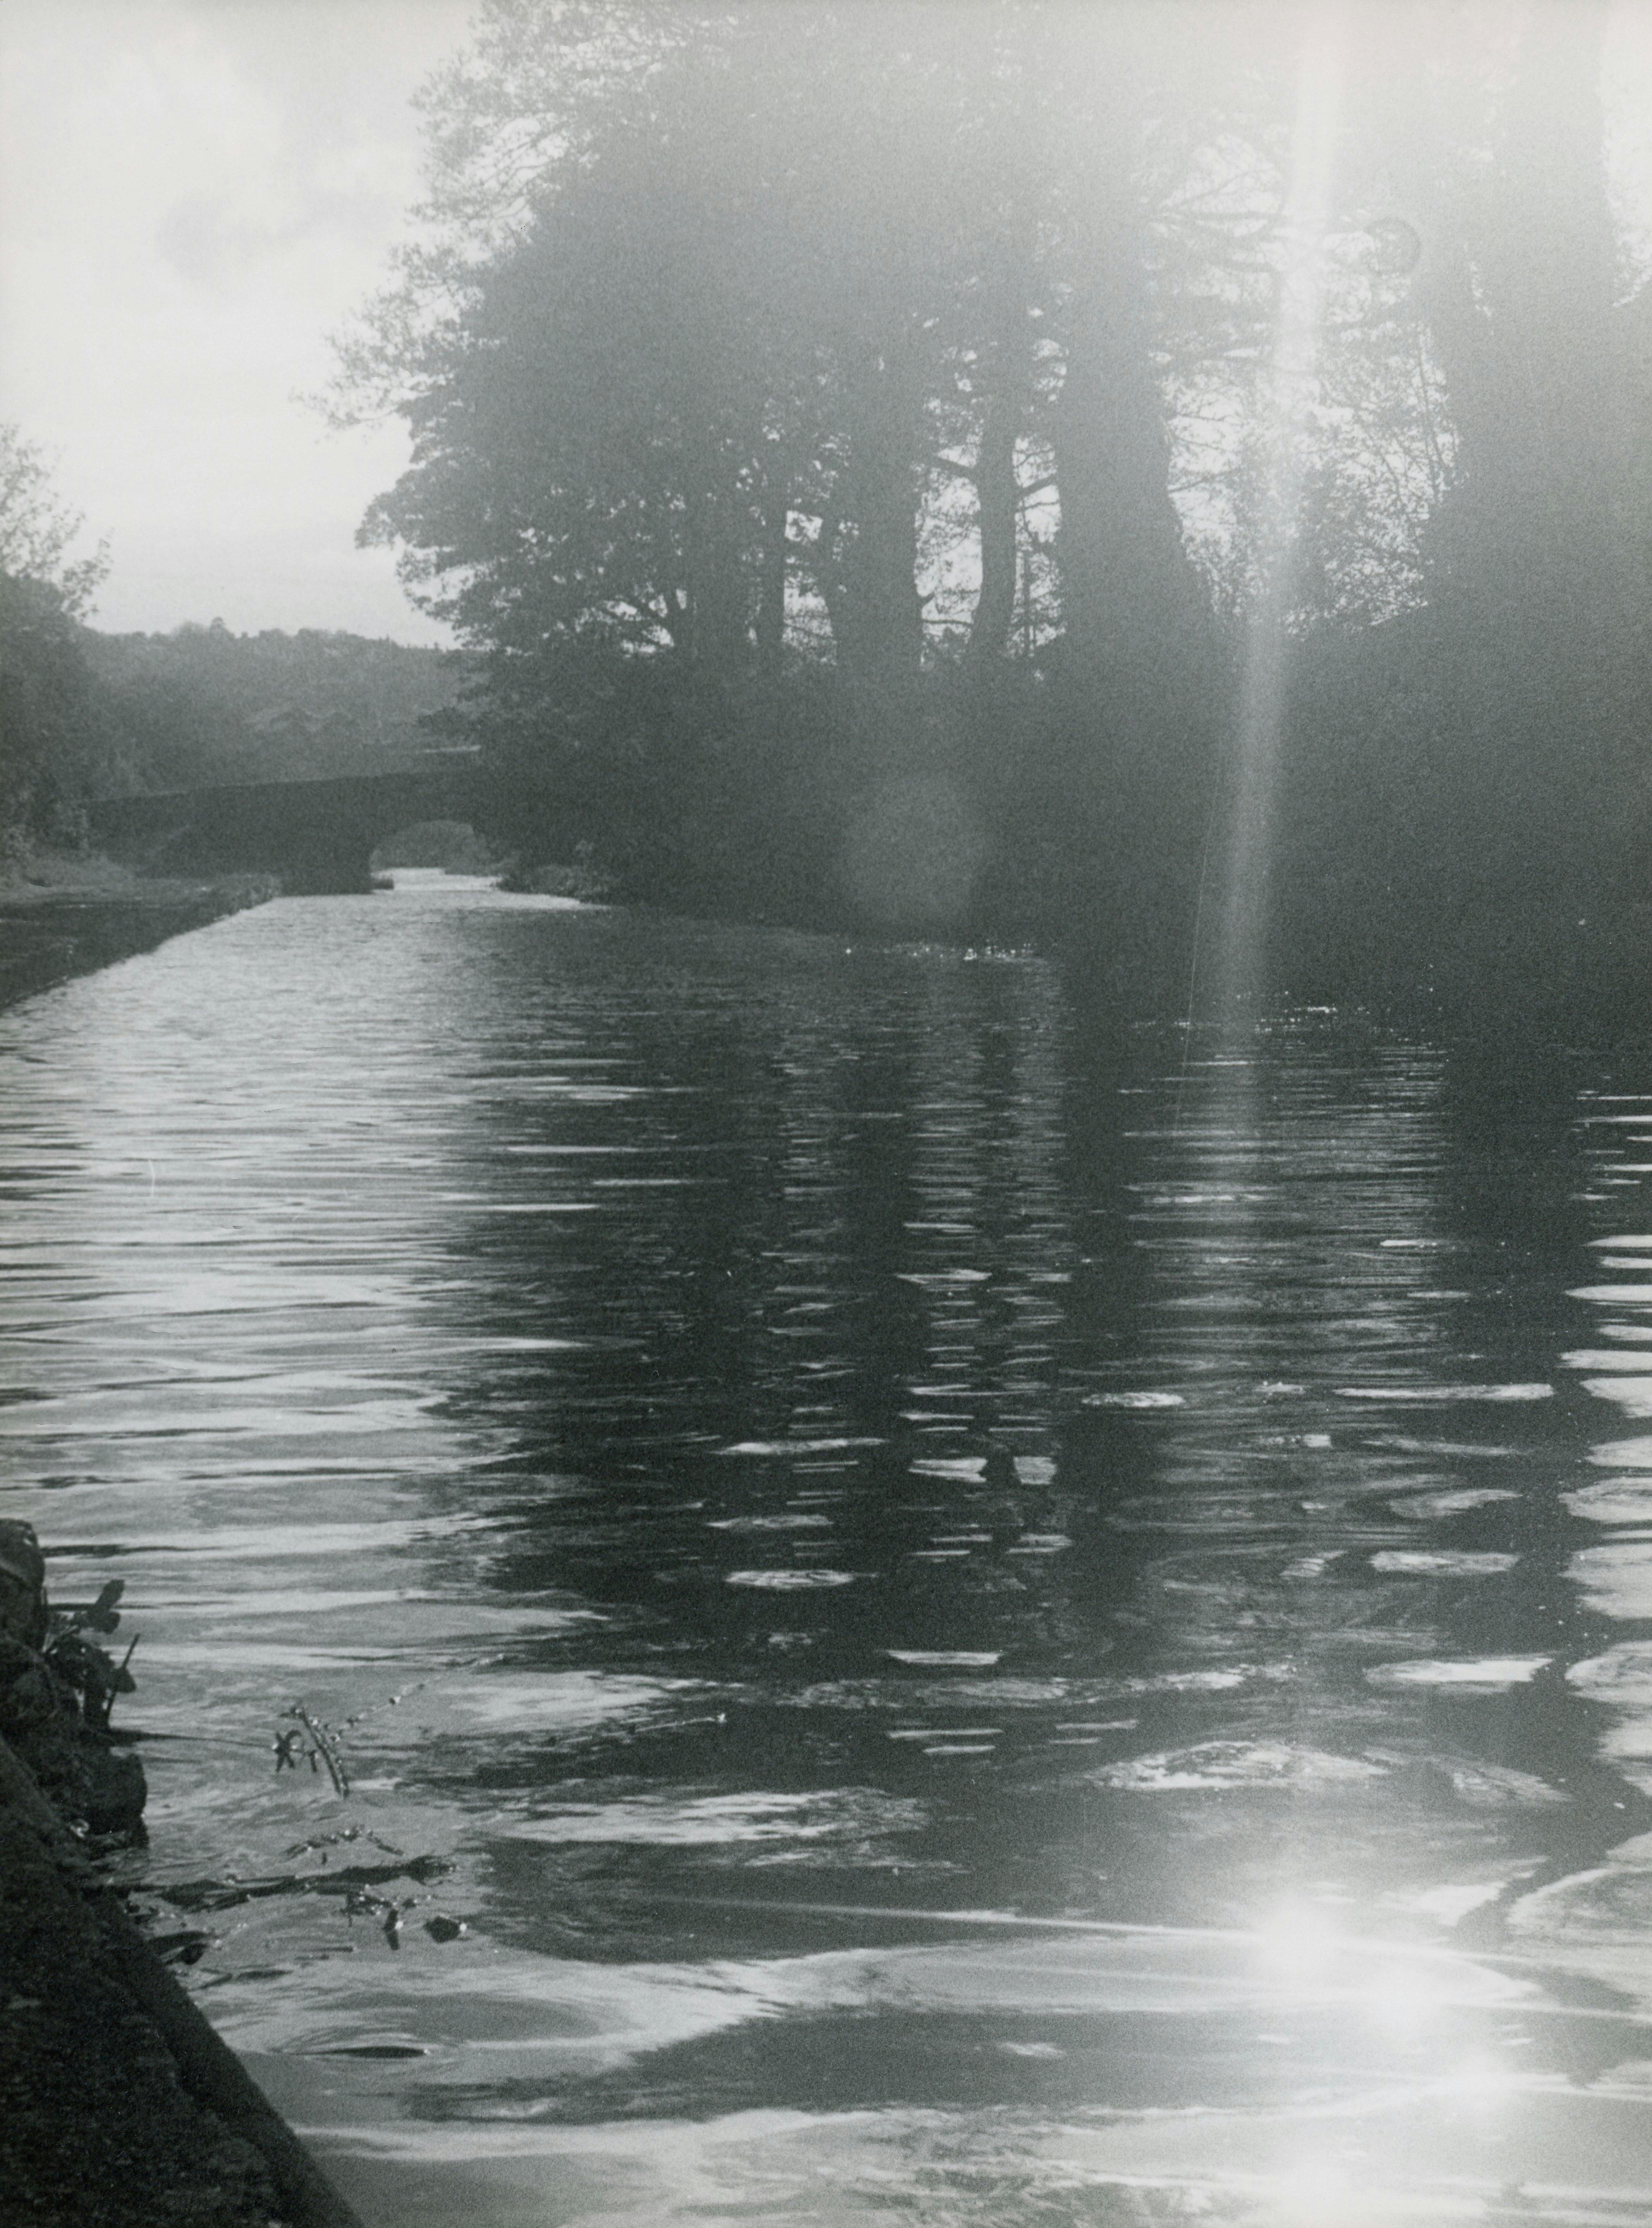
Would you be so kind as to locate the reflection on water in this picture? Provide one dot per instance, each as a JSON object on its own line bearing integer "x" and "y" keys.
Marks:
{"x": 934, "y": 1609}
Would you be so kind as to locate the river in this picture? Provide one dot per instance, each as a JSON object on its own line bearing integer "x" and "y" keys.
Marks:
{"x": 981, "y": 1618}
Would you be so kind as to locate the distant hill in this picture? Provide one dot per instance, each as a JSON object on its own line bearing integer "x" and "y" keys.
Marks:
{"x": 202, "y": 704}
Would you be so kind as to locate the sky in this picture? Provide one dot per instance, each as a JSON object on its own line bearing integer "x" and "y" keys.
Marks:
{"x": 194, "y": 195}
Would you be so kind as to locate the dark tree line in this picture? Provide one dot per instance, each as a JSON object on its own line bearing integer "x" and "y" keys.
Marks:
{"x": 203, "y": 705}
{"x": 84, "y": 715}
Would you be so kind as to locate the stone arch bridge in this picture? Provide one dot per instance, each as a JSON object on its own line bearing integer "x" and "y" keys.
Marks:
{"x": 318, "y": 836}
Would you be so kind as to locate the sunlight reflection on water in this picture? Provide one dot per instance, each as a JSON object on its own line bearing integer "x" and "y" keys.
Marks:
{"x": 955, "y": 1643}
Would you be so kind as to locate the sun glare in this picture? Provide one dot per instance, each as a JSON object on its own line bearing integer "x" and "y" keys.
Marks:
{"x": 1298, "y": 1947}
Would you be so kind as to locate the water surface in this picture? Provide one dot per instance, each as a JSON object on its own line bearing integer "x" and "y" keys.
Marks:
{"x": 980, "y": 1617}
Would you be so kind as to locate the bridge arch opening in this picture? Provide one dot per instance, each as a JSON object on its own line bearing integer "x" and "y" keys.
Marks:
{"x": 452, "y": 846}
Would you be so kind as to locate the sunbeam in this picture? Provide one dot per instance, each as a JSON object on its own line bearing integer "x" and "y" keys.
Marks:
{"x": 1297, "y": 335}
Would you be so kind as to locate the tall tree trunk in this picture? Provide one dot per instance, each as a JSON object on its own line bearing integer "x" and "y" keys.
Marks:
{"x": 771, "y": 592}
{"x": 998, "y": 498}
{"x": 1005, "y": 369}
{"x": 718, "y": 635}
{"x": 1130, "y": 593}
{"x": 1517, "y": 283}
{"x": 1538, "y": 577}
{"x": 878, "y": 621}
{"x": 1136, "y": 643}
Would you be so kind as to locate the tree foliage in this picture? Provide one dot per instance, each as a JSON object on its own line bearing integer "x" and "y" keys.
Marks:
{"x": 55, "y": 736}
{"x": 60, "y": 743}
{"x": 38, "y": 529}
{"x": 202, "y": 704}
{"x": 817, "y": 405}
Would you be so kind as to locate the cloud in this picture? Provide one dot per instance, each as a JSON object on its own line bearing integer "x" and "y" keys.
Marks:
{"x": 194, "y": 194}
{"x": 209, "y": 247}
{"x": 212, "y": 246}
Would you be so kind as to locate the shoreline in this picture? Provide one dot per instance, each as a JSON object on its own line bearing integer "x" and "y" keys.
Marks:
{"x": 63, "y": 916}
{"x": 118, "y": 2100}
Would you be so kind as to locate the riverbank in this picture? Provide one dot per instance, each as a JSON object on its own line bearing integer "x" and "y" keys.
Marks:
{"x": 63, "y": 915}
{"x": 118, "y": 2101}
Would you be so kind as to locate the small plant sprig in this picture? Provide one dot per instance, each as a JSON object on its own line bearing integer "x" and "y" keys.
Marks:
{"x": 90, "y": 1670}
{"x": 313, "y": 1741}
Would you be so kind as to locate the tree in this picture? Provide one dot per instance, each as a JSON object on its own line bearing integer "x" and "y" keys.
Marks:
{"x": 1468, "y": 773}
{"x": 1536, "y": 548}
{"x": 37, "y": 530}
{"x": 806, "y": 399}
{"x": 852, "y": 209}
{"x": 56, "y": 731}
